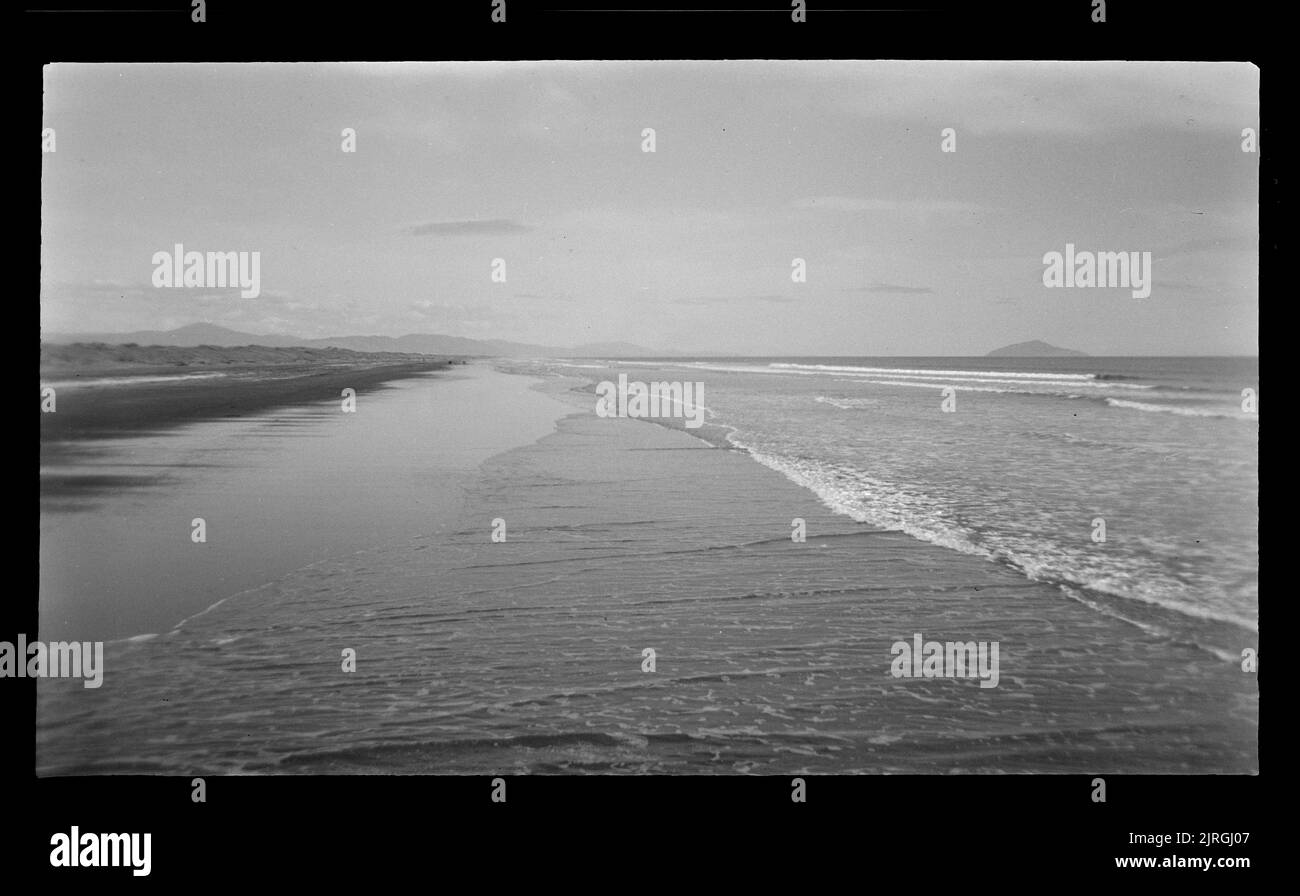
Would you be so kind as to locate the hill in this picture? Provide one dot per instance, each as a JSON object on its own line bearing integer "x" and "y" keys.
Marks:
{"x": 1035, "y": 348}
{"x": 415, "y": 343}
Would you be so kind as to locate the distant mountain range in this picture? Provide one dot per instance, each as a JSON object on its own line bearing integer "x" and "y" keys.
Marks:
{"x": 420, "y": 343}
{"x": 438, "y": 344}
{"x": 1035, "y": 348}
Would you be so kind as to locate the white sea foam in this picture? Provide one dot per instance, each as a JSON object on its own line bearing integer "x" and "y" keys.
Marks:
{"x": 847, "y": 404}
{"x": 916, "y": 376}
{"x": 866, "y": 499}
{"x": 936, "y": 372}
{"x": 1172, "y": 409}
{"x": 132, "y": 380}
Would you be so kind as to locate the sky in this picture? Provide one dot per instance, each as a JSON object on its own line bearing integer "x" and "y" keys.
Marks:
{"x": 908, "y": 249}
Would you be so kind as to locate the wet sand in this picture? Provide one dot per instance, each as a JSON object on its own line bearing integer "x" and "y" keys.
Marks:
{"x": 475, "y": 656}
{"x": 277, "y": 489}
{"x": 135, "y": 408}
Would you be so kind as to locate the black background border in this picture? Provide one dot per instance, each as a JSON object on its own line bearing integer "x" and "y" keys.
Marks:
{"x": 615, "y": 831}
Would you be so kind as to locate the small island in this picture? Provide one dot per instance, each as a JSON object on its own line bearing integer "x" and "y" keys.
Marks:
{"x": 1035, "y": 348}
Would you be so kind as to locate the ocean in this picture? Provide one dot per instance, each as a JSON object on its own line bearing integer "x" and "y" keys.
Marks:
{"x": 1033, "y": 451}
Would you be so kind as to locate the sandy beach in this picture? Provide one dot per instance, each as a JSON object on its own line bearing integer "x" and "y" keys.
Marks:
{"x": 119, "y": 391}
{"x": 526, "y": 655}
{"x": 117, "y": 559}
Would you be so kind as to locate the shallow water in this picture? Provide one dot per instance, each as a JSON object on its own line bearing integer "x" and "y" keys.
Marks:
{"x": 277, "y": 491}
{"x": 527, "y": 656}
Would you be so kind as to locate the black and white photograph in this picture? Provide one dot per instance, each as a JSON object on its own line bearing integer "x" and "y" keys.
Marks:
{"x": 675, "y": 418}
{"x": 574, "y": 418}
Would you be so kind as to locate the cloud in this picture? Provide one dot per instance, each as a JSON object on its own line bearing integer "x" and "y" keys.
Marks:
{"x": 1081, "y": 100}
{"x": 857, "y": 204}
{"x": 1195, "y": 247}
{"x": 83, "y": 292}
{"x": 426, "y": 313}
{"x": 1179, "y": 285}
{"x": 555, "y": 297}
{"x": 462, "y": 312}
{"x": 719, "y": 300}
{"x": 121, "y": 305}
{"x": 493, "y": 227}
{"x": 892, "y": 289}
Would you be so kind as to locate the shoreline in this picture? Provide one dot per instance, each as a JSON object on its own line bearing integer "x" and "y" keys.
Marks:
{"x": 526, "y": 656}
{"x": 279, "y": 489}
{"x": 130, "y": 409}
{"x": 1206, "y": 630}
